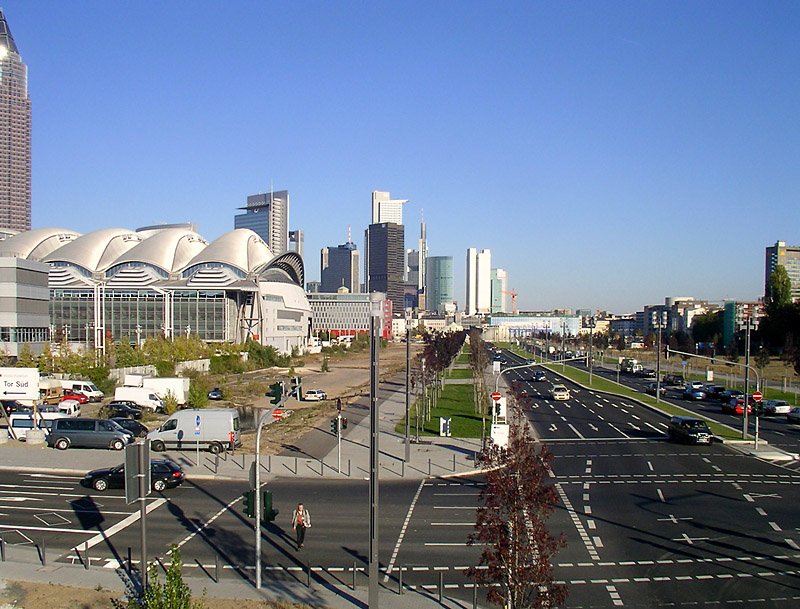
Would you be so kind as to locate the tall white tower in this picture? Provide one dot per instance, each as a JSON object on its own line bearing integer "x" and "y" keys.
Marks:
{"x": 386, "y": 209}
{"x": 479, "y": 282}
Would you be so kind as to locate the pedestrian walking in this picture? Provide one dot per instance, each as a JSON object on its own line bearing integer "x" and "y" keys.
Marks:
{"x": 338, "y": 404}
{"x": 301, "y": 520}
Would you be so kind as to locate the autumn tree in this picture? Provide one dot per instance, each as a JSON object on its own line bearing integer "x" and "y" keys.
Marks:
{"x": 517, "y": 558}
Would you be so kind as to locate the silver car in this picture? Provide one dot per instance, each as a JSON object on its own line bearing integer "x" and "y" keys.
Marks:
{"x": 793, "y": 416}
{"x": 776, "y": 407}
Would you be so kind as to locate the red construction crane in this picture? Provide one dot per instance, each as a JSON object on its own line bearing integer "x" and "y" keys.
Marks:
{"x": 513, "y": 293}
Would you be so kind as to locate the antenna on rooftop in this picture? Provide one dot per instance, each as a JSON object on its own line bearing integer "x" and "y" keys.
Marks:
{"x": 349, "y": 239}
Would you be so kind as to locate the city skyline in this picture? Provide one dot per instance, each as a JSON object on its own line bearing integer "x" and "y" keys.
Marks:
{"x": 624, "y": 154}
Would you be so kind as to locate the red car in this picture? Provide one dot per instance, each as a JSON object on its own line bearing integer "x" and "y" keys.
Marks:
{"x": 70, "y": 394}
{"x": 736, "y": 406}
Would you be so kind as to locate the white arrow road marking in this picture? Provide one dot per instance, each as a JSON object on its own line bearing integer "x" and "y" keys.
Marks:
{"x": 553, "y": 427}
{"x": 592, "y": 427}
{"x": 20, "y": 499}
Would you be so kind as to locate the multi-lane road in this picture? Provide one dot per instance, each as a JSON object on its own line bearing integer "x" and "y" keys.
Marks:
{"x": 648, "y": 523}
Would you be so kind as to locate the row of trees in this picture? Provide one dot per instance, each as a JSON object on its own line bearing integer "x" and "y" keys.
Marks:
{"x": 439, "y": 352}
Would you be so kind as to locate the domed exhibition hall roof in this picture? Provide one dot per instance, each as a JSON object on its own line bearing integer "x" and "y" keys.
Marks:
{"x": 176, "y": 252}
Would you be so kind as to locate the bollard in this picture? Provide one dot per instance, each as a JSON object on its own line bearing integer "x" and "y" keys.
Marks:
{"x": 44, "y": 553}
{"x": 474, "y": 595}
{"x": 429, "y": 466}
{"x": 354, "y": 576}
{"x": 269, "y": 463}
{"x": 400, "y": 582}
{"x": 308, "y": 575}
{"x": 454, "y": 462}
{"x": 441, "y": 586}
{"x": 321, "y": 467}
{"x": 2, "y": 550}
{"x": 216, "y": 463}
{"x": 403, "y": 469}
{"x": 348, "y": 468}
{"x": 295, "y": 466}
{"x": 85, "y": 555}
{"x": 216, "y": 568}
{"x": 130, "y": 562}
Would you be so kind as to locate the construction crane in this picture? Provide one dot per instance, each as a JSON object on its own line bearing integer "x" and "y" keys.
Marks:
{"x": 513, "y": 293}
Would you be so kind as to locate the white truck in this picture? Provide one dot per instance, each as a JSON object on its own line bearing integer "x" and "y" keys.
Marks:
{"x": 87, "y": 388}
{"x": 214, "y": 429}
{"x": 142, "y": 396}
{"x": 178, "y": 387}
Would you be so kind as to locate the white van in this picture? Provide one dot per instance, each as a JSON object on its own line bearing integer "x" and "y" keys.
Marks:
{"x": 87, "y": 388}
{"x": 20, "y": 422}
{"x": 142, "y": 396}
{"x": 213, "y": 428}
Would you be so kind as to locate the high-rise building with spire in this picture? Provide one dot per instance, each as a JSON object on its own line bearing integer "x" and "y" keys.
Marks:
{"x": 15, "y": 135}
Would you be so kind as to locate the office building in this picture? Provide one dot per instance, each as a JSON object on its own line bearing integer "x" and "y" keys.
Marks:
{"x": 15, "y": 135}
{"x": 339, "y": 267}
{"x": 439, "y": 283}
{"x": 499, "y": 291}
{"x": 788, "y": 256}
{"x": 296, "y": 239}
{"x": 267, "y": 215}
{"x": 479, "y": 282}
{"x": 385, "y": 265}
{"x": 385, "y": 209}
{"x": 24, "y": 301}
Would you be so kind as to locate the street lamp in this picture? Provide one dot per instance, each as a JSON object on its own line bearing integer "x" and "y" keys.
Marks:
{"x": 659, "y": 321}
{"x": 563, "y": 334}
{"x": 591, "y": 323}
{"x": 408, "y": 383}
{"x": 376, "y": 319}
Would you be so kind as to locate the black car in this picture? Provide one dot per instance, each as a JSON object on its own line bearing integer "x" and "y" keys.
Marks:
{"x": 539, "y": 376}
{"x": 653, "y": 387}
{"x": 725, "y": 396}
{"x": 12, "y": 406}
{"x": 215, "y": 394}
{"x": 163, "y": 474}
{"x": 689, "y": 430}
{"x": 137, "y": 429}
{"x": 124, "y": 409}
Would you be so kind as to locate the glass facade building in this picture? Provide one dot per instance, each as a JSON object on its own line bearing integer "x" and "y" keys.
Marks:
{"x": 439, "y": 283}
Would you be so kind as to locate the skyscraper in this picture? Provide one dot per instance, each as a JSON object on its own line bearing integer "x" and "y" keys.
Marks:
{"x": 339, "y": 267}
{"x": 384, "y": 209}
{"x": 439, "y": 283}
{"x": 788, "y": 256}
{"x": 385, "y": 264}
{"x": 267, "y": 214}
{"x": 499, "y": 291}
{"x": 479, "y": 282}
{"x": 15, "y": 135}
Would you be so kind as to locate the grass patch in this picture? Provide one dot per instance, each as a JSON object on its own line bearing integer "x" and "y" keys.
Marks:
{"x": 463, "y": 358}
{"x": 460, "y": 373}
{"x": 456, "y": 403}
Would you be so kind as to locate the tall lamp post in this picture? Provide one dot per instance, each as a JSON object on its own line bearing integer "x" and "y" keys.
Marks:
{"x": 563, "y": 335}
{"x": 591, "y": 322}
{"x": 374, "y": 453}
{"x": 408, "y": 383}
{"x": 659, "y": 321}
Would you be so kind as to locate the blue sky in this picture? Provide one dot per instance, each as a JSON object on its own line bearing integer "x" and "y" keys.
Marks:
{"x": 609, "y": 154}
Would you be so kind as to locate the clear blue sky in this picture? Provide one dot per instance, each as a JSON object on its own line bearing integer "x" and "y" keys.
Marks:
{"x": 609, "y": 153}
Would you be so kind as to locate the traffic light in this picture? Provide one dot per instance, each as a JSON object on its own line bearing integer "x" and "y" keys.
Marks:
{"x": 267, "y": 513}
{"x": 249, "y": 503}
{"x": 296, "y": 389}
{"x": 497, "y": 409}
{"x": 335, "y": 426}
{"x": 344, "y": 422}
{"x": 276, "y": 393}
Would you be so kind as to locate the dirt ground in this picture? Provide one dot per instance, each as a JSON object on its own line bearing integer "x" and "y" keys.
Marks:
{"x": 26, "y": 595}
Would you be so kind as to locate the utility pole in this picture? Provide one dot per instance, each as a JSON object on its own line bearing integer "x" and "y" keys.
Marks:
{"x": 591, "y": 332}
{"x": 659, "y": 322}
{"x": 374, "y": 454}
{"x": 747, "y": 326}
{"x": 408, "y": 386}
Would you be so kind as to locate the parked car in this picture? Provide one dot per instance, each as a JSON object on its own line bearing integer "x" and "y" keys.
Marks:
{"x": 689, "y": 430}
{"x": 71, "y": 394}
{"x": 653, "y": 387}
{"x": 163, "y": 474}
{"x": 793, "y": 416}
{"x": 315, "y": 395}
{"x": 136, "y": 428}
{"x": 736, "y": 406}
{"x": 773, "y": 407}
{"x": 123, "y": 408}
{"x": 539, "y": 376}
{"x": 88, "y": 433}
{"x": 559, "y": 392}
{"x": 12, "y": 406}
{"x": 215, "y": 394}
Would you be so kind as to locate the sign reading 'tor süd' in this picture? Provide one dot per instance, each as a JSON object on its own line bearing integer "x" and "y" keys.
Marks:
{"x": 19, "y": 383}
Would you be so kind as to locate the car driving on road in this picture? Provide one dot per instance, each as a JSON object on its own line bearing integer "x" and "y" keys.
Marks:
{"x": 773, "y": 407}
{"x": 315, "y": 395}
{"x": 690, "y": 430}
{"x": 163, "y": 474}
{"x": 559, "y": 392}
{"x": 793, "y": 416}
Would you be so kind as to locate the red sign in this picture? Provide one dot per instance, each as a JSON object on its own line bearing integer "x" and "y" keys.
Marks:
{"x": 757, "y": 396}
{"x": 496, "y": 396}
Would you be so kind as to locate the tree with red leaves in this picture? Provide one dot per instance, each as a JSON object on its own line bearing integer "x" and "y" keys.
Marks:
{"x": 516, "y": 562}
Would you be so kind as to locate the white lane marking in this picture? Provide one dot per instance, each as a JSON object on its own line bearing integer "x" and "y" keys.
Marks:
{"x": 792, "y": 544}
{"x": 20, "y": 528}
{"x": 618, "y": 430}
{"x": 650, "y": 465}
{"x": 591, "y": 524}
{"x": 587, "y": 542}
{"x": 653, "y": 427}
{"x": 475, "y": 494}
{"x": 673, "y": 520}
{"x": 577, "y": 433}
{"x": 462, "y": 544}
{"x": 56, "y": 510}
{"x": 661, "y": 495}
{"x": 690, "y": 540}
{"x": 26, "y": 487}
{"x": 452, "y": 524}
{"x": 122, "y": 524}
{"x": 615, "y": 597}
{"x": 403, "y": 530}
{"x": 598, "y": 543}
{"x": 454, "y": 507}
{"x": 775, "y": 526}
{"x": 207, "y": 523}
{"x": 761, "y": 511}
{"x": 55, "y": 476}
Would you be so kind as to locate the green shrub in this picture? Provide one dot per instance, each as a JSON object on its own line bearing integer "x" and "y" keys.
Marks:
{"x": 172, "y": 594}
{"x": 170, "y": 403}
{"x": 165, "y": 368}
{"x": 227, "y": 363}
{"x": 198, "y": 393}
